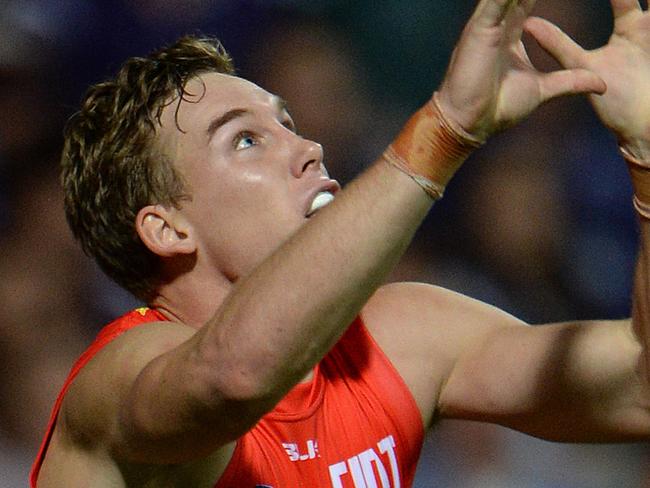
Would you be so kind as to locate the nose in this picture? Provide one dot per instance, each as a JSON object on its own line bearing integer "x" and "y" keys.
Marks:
{"x": 310, "y": 158}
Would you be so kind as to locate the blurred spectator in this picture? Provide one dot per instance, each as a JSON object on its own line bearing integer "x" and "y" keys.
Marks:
{"x": 44, "y": 320}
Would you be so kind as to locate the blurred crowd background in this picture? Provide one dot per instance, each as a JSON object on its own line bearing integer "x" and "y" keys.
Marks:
{"x": 539, "y": 222}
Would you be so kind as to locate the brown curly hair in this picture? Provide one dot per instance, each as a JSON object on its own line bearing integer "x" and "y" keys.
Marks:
{"x": 111, "y": 166}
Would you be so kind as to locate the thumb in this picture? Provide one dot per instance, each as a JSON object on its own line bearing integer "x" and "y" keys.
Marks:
{"x": 570, "y": 82}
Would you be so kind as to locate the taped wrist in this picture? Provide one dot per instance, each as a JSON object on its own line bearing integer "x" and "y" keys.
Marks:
{"x": 430, "y": 148}
{"x": 640, "y": 176}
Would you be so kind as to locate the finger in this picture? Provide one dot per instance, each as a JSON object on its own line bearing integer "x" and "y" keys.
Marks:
{"x": 490, "y": 13}
{"x": 555, "y": 42}
{"x": 622, "y": 7}
{"x": 516, "y": 17}
{"x": 570, "y": 82}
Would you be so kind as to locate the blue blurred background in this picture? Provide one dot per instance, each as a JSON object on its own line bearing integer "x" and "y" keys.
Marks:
{"x": 539, "y": 222}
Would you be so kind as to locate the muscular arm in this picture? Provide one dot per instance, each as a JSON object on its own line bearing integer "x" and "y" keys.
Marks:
{"x": 463, "y": 359}
{"x": 575, "y": 382}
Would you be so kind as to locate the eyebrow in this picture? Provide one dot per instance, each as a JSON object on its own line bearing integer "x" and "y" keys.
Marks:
{"x": 230, "y": 115}
{"x": 215, "y": 124}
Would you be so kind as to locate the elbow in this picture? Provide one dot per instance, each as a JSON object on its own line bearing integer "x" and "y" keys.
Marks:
{"x": 253, "y": 370}
{"x": 236, "y": 386}
{"x": 239, "y": 386}
{"x": 252, "y": 376}
{"x": 238, "y": 399}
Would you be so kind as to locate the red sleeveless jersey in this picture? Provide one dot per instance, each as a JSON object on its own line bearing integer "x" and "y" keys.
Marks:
{"x": 354, "y": 425}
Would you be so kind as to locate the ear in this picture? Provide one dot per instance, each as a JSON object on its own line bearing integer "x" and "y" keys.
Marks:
{"x": 164, "y": 231}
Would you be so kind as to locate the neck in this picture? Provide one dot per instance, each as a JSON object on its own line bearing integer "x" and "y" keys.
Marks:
{"x": 192, "y": 299}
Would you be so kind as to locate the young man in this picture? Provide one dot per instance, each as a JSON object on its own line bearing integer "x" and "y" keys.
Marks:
{"x": 269, "y": 354}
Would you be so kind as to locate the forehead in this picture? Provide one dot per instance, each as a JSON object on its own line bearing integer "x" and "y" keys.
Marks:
{"x": 211, "y": 94}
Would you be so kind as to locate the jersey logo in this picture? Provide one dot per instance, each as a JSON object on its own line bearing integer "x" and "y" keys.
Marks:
{"x": 142, "y": 310}
{"x": 294, "y": 453}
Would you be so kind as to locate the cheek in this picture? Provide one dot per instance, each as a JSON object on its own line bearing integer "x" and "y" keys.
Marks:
{"x": 263, "y": 203}
{"x": 251, "y": 193}
{"x": 256, "y": 225}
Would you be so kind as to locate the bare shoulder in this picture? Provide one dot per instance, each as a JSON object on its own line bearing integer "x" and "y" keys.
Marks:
{"x": 92, "y": 436}
{"x": 414, "y": 311}
{"x": 89, "y": 413}
{"x": 423, "y": 329}
{"x": 86, "y": 427}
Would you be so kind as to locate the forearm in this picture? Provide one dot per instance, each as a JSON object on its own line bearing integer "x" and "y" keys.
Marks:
{"x": 283, "y": 318}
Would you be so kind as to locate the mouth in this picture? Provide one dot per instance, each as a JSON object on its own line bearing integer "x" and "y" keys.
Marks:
{"x": 322, "y": 198}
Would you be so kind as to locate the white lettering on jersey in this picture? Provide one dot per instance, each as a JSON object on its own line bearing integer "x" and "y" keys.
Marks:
{"x": 294, "y": 452}
{"x": 365, "y": 467}
{"x": 336, "y": 471}
{"x": 387, "y": 446}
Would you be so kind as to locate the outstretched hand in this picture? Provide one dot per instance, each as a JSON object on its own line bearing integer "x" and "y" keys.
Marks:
{"x": 624, "y": 65}
{"x": 491, "y": 84}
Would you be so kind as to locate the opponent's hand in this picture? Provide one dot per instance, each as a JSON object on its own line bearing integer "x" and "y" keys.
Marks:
{"x": 624, "y": 64}
{"x": 491, "y": 84}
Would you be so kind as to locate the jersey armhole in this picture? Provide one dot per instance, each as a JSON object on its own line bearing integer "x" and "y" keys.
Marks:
{"x": 400, "y": 382}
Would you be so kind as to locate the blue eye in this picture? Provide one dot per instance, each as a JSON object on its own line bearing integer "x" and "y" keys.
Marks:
{"x": 244, "y": 140}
